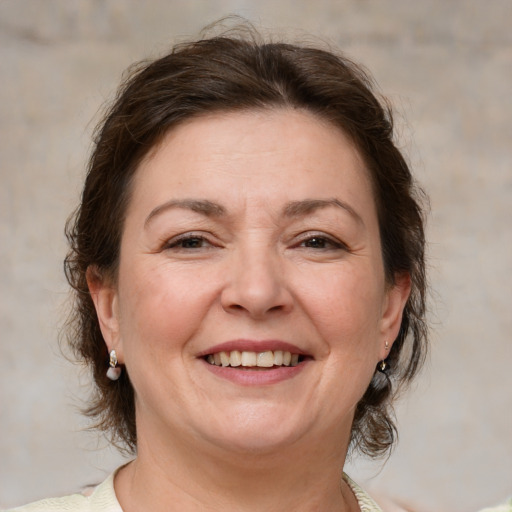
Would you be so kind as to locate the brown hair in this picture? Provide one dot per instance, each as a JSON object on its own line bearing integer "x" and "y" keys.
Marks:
{"x": 240, "y": 72}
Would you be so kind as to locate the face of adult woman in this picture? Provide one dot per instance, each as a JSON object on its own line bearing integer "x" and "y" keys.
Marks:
{"x": 250, "y": 237}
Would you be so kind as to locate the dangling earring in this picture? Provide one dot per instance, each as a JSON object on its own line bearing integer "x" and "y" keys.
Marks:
{"x": 114, "y": 372}
{"x": 383, "y": 366}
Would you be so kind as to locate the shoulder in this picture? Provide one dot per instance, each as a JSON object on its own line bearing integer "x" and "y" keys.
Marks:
{"x": 75, "y": 502}
{"x": 102, "y": 499}
{"x": 506, "y": 507}
{"x": 365, "y": 502}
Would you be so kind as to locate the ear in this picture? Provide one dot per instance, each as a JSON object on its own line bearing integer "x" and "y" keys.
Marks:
{"x": 394, "y": 304}
{"x": 105, "y": 298}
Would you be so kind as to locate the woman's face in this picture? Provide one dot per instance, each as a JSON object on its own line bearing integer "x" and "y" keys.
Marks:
{"x": 249, "y": 238}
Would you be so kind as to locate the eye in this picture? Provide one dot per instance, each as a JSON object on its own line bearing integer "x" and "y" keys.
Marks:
{"x": 321, "y": 242}
{"x": 316, "y": 242}
{"x": 188, "y": 242}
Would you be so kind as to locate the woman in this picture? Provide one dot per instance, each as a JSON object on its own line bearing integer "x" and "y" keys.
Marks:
{"x": 248, "y": 261}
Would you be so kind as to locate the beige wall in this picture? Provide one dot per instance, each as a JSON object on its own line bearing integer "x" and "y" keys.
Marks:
{"x": 447, "y": 65}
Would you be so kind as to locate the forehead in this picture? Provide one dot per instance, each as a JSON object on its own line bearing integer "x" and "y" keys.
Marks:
{"x": 255, "y": 152}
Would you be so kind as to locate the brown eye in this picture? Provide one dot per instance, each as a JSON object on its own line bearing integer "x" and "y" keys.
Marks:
{"x": 191, "y": 243}
{"x": 321, "y": 242}
{"x": 316, "y": 243}
{"x": 188, "y": 242}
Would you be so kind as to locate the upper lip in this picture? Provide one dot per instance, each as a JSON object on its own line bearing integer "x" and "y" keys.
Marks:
{"x": 253, "y": 346}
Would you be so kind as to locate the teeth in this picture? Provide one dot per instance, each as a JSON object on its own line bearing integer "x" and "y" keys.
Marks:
{"x": 224, "y": 359}
{"x": 249, "y": 358}
{"x": 266, "y": 359}
{"x": 235, "y": 358}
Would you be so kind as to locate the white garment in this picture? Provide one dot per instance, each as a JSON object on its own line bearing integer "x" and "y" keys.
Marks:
{"x": 506, "y": 507}
{"x": 103, "y": 499}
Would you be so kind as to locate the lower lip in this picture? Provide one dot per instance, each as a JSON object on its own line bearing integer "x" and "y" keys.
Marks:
{"x": 258, "y": 377}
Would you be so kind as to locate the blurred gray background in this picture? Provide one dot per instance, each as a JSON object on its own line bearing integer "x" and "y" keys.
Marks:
{"x": 447, "y": 67}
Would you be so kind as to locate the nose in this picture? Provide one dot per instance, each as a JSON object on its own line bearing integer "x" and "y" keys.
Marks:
{"x": 256, "y": 285}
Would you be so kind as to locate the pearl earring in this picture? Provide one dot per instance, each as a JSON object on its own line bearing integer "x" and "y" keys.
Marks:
{"x": 114, "y": 372}
{"x": 383, "y": 366}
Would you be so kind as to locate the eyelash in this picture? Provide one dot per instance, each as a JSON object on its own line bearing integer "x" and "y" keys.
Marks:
{"x": 177, "y": 242}
{"x": 329, "y": 242}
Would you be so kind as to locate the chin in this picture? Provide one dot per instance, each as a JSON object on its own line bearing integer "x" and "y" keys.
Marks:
{"x": 256, "y": 443}
{"x": 261, "y": 430}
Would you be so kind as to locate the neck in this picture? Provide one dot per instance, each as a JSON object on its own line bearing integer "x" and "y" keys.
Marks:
{"x": 302, "y": 477}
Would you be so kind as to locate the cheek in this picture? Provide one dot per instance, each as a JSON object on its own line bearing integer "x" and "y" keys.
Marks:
{"x": 161, "y": 310}
{"x": 347, "y": 314}
{"x": 346, "y": 310}
{"x": 345, "y": 305}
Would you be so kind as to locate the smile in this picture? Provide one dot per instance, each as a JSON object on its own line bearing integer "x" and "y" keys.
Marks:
{"x": 249, "y": 359}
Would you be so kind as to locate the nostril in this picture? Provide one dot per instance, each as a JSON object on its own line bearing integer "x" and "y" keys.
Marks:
{"x": 273, "y": 309}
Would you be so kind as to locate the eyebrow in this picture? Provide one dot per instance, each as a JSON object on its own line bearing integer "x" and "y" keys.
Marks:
{"x": 306, "y": 206}
{"x": 211, "y": 209}
{"x": 202, "y": 206}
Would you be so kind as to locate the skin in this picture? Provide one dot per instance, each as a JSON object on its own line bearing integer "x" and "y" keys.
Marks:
{"x": 260, "y": 265}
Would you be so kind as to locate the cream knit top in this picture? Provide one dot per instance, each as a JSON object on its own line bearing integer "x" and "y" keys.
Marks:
{"x": 103, "y": 499}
